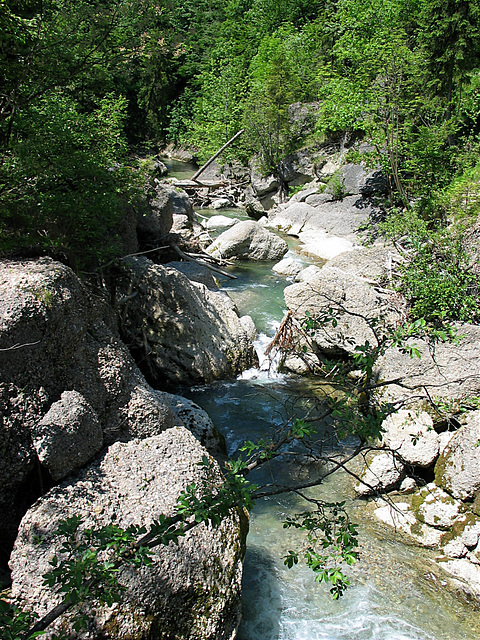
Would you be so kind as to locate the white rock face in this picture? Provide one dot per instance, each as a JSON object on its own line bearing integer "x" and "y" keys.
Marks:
{"x": 435, "y": 507}
{"x": 412, "y": 436}
{"x": 458, "y": 467}
{"x": 381, "y": 473}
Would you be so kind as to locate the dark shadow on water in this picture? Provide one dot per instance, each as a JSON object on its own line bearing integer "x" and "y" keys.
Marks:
{"x": 261, "y": 601}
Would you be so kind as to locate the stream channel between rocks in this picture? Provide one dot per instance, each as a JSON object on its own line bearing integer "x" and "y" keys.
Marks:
{"x": 396, "y": 589}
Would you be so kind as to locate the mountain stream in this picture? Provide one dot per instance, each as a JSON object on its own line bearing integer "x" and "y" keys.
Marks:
{"x": 397, "y": 592}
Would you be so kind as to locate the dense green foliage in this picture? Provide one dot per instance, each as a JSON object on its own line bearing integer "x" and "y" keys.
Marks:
{"x": 402, "y": 73}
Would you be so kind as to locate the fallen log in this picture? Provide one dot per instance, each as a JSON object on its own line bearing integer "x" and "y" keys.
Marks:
{"x": 202, "y": 263}
{"x": 215, "y": 156}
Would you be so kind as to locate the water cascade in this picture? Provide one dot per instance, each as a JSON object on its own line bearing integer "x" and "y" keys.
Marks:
{"x": 396, "y": 593}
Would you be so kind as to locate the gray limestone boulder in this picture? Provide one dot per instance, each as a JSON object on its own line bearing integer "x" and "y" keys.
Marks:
{"x": 382, "y": 472}
{"x": 357, "y": 179}
{"x": 411, "y": 434}
{"x": 287, "y": 267}
{"x": 458, "y": 468}
{"x": 198, "y": 422}
{"x": 249, "y": 325}
{"x": 353, "y": 303}
{"x": 165, "y": 204}
{"x": 68, "y": 436}
{"x": 435, "y": 507}
{"x": 262, "y": 184}
{"x": 155, "y": 217}
{"x": 221, "y": 203}
{"x": 448, "y": 371}
{"x": 69, "y": 385}
{"x": 292, "y": 218}
{"x": 221, "y": 222}
{"x": 316, "y": 199}
{"x": 248, "y": 240}
{"x": 190, "y": 592}
{"x": 184, "y": 332}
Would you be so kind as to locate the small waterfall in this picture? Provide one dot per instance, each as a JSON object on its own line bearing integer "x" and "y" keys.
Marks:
{"x": 267, "y": 370}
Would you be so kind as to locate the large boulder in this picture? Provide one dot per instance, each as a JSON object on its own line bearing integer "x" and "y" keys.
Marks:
{"x": 445, "y": 370}
{"x": 458, "y": 467}
{"x": 248, "y": 240}
{"x": 350, "y": 300}
{"x": 292, "y": 218}
{"x": 287, "y": 267}
{"x": 262, "y": 185}
{"x": 68, "y": 436}
{"x": 381, "y": 472}
{"x": 190, "y": 592}
{"x": 412, "y": 436}
{"x": 183, "y": 332}
{"x": 220, "y": 222}
{"x": 165, "y": 205}
{"x": 69, "y": 386}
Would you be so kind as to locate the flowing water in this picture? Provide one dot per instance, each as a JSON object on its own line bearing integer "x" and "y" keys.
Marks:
{"x": 396, "y": 593}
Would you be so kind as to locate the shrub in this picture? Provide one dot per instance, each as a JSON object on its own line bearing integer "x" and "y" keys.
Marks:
{"x": 63, "y": 182}
{"x": 437, "y": 282}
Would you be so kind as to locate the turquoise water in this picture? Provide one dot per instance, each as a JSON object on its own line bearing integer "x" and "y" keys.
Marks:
{"x": 393, "y": 594}
{"x": 180, "y": 170}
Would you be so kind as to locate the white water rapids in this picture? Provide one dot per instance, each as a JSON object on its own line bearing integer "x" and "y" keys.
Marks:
{"x": 396, "y": 592}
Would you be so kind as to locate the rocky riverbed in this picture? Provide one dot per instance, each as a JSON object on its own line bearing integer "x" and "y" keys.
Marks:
{"x": 92, "y": 423}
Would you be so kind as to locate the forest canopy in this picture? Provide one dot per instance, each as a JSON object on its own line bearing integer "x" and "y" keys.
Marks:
{"x": 83, "y": 83}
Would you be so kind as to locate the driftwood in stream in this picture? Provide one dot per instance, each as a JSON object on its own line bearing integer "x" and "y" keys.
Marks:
{"x": 284, "y": 335}
{"x": 202, "y": 262}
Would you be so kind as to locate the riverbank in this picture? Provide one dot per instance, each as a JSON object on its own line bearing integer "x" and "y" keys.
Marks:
{"x": 85, "y": 395}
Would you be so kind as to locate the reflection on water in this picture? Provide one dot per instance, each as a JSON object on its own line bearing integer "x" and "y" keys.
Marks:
{"x": 390, "y": 597}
